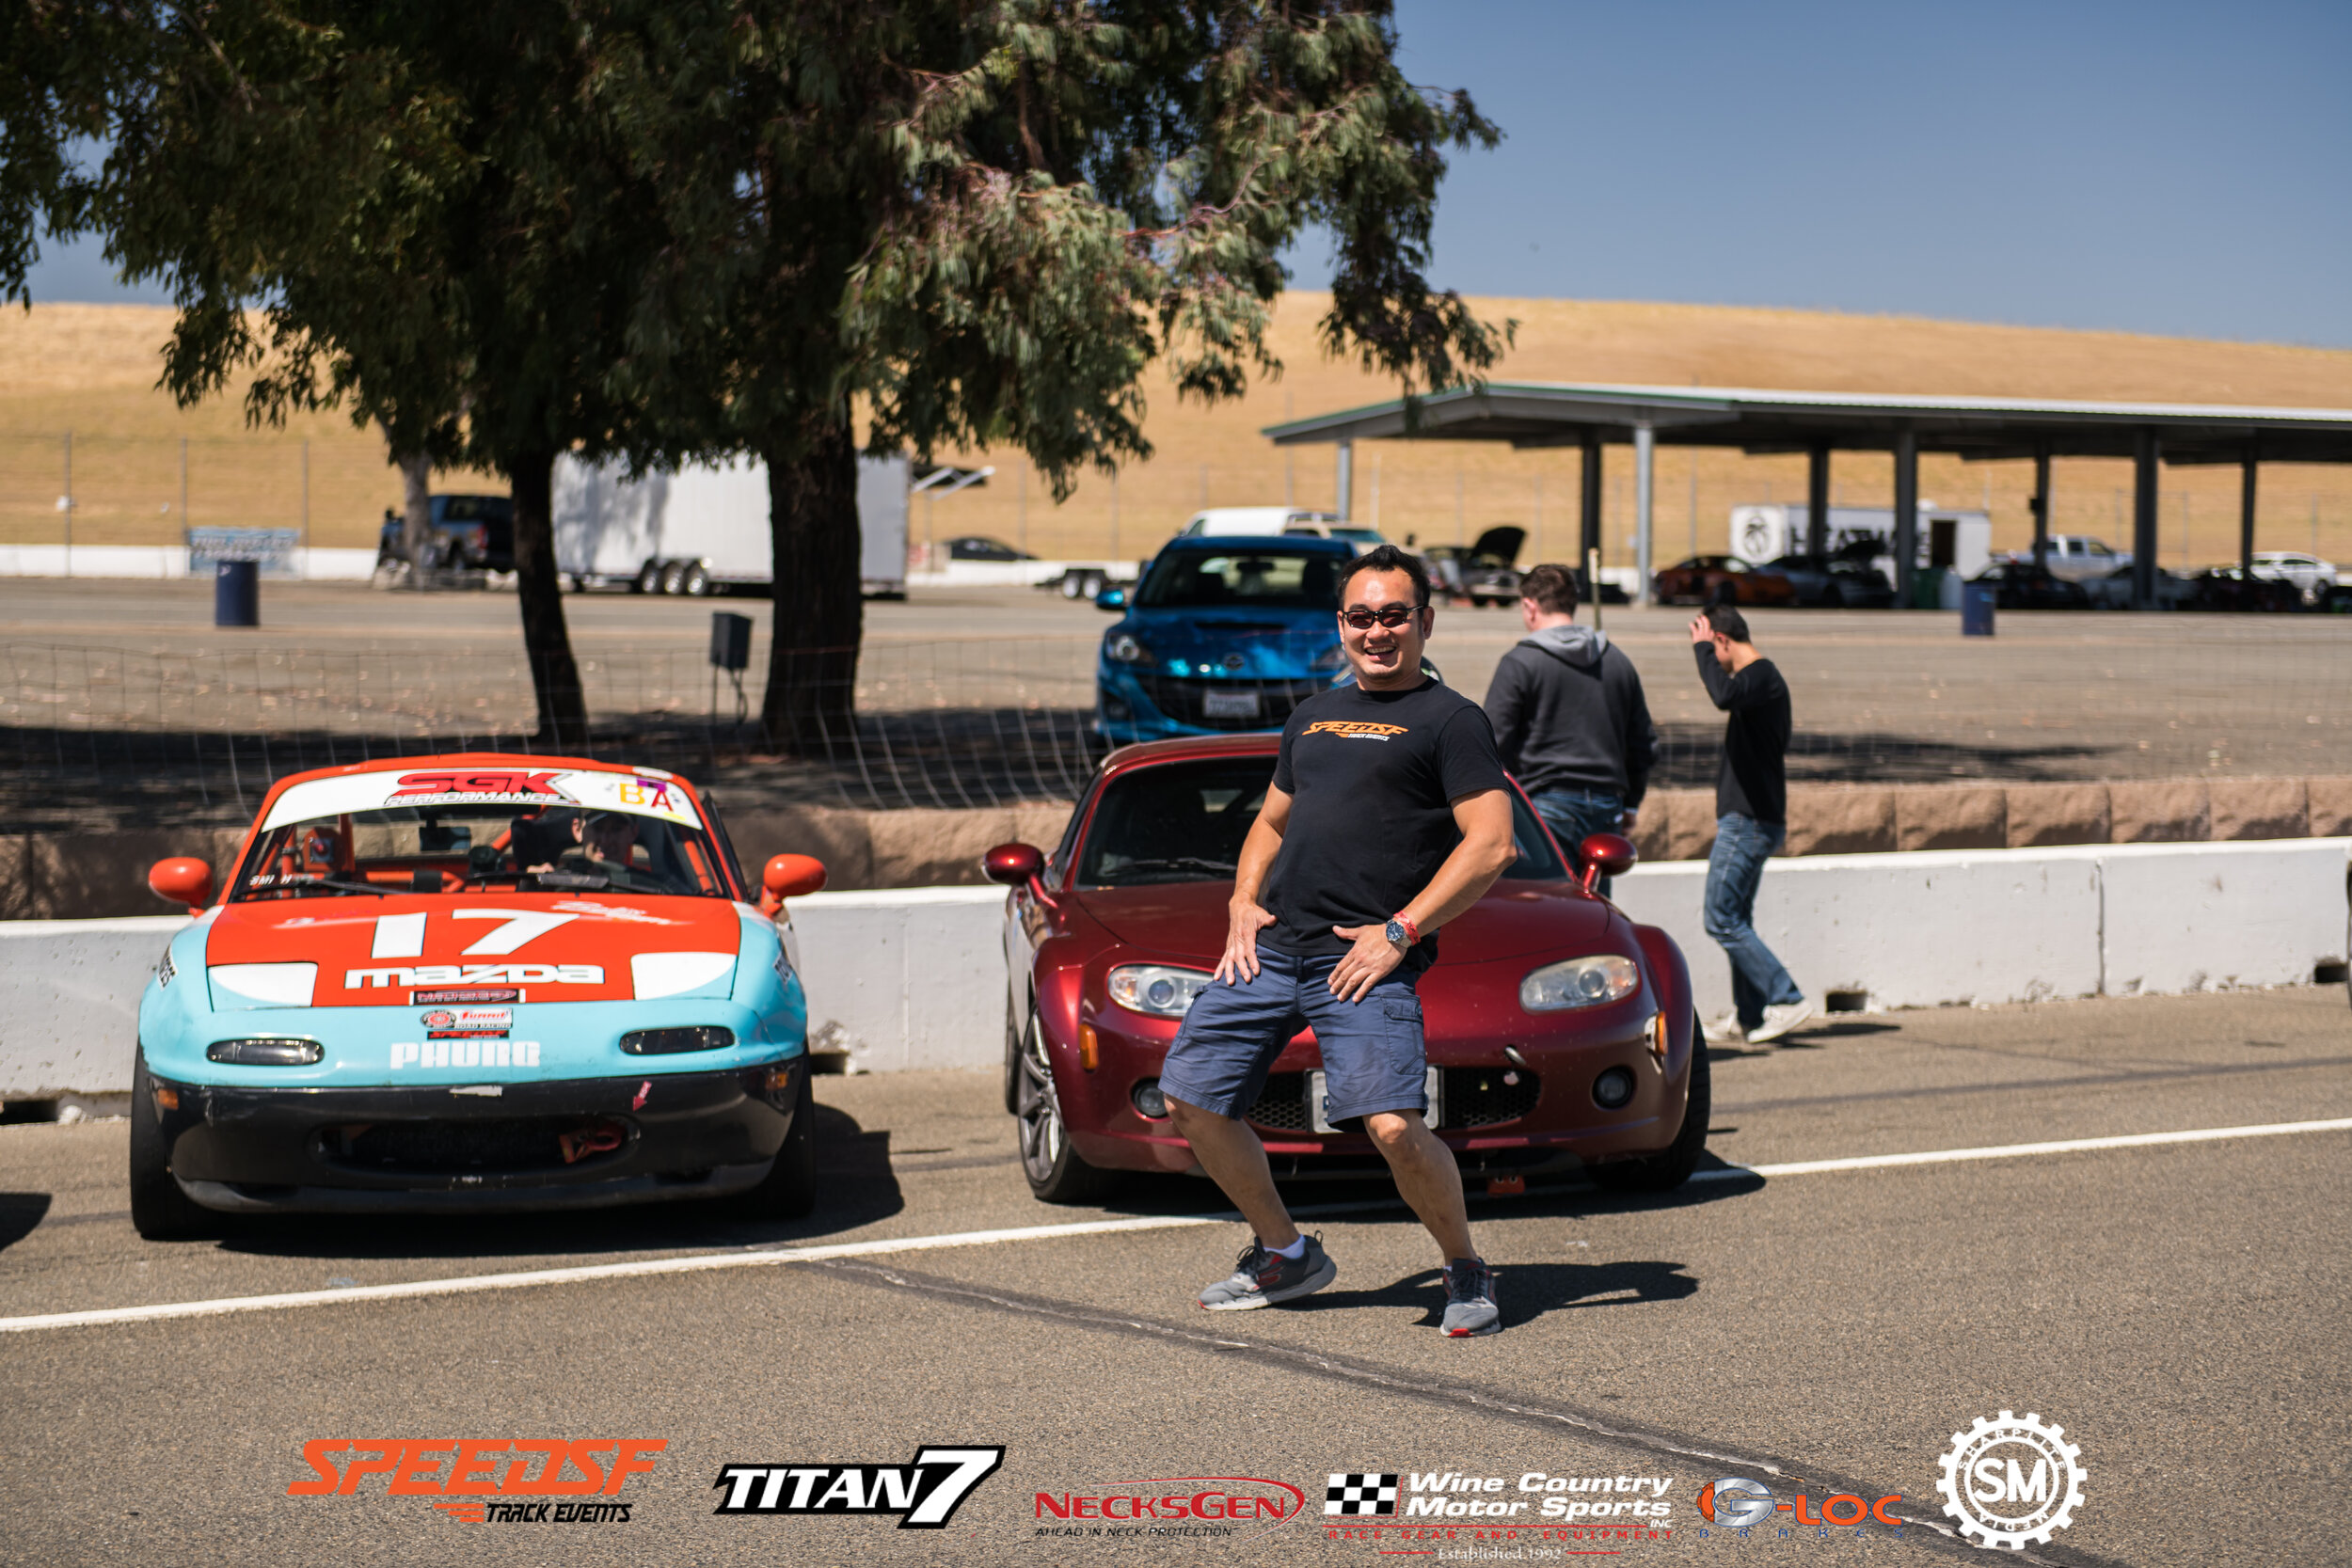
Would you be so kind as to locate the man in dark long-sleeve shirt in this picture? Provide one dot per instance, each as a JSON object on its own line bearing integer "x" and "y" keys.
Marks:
{"x": 1751, "y": 822}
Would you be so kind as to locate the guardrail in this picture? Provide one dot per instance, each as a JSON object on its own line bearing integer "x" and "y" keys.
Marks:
{"x": 913, "y": 977}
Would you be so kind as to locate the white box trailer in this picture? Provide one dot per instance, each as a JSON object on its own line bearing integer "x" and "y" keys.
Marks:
{"x": 1959, "y": 541}
{"x": 707, "y": 524}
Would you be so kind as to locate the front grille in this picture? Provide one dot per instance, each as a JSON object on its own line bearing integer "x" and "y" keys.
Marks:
{"x": 1474, "y": 1096}
{"x": 1183, "y": 699}
{"x": 495, "y": 1145}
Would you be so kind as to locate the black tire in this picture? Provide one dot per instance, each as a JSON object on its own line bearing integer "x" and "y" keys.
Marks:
{"x": 672, "y": 575}
{"x": 159, "y": 1209}
{"x": 694, "y": 582}
{"x": 1833, "y": 597}
{"x": 648, "y": 578}
{"x": 1071, "y": 585}
{"x": 1663, "y": 1173}
{"x": 1055, "y": 1172}
{"x": 789, "y": 1191}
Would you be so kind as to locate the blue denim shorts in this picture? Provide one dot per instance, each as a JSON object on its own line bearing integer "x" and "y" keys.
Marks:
{"x": 1373, "y": 1057}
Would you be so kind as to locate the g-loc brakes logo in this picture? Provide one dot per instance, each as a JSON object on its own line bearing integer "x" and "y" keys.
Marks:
{"x": 1736, "y": 1502}
{"x": 1996, "y": 1501}
{"x": 924, "y": 1495}
{"x": 533, "y": 1468}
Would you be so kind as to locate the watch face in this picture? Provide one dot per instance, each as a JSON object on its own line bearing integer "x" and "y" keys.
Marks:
{"x": 1396, "y": 932}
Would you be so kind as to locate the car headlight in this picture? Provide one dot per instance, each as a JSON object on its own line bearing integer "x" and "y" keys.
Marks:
{"x": 661, "y": 1042}
{"x": 1156, "y": 988}
{"x": 1125, "y": 648}
{"x": 1580, "y": 983}
{"x": 265, "y": 1052}
{"x": 1332, "y": 657}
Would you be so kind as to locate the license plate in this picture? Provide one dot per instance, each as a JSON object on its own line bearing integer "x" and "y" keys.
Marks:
{"x": 1433, "y": 1086}
{"x": 1229, "y": 705}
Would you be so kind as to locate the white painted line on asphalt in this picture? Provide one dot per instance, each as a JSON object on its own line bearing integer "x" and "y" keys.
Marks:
{"x": 704, "y": 1262}
{"x": 2012, "y": 1151}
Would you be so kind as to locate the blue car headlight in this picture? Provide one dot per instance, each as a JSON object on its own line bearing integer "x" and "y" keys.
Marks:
{"x": 1333, "y": 657}
{"x": 1124, "y": 647}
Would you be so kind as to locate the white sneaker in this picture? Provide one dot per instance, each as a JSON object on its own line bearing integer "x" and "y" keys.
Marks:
{"x": 1781, "y": 1018}
{"x": 1724, "y": 1030}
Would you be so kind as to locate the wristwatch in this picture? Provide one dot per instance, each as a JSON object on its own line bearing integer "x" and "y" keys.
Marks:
{"x": 1402, "y": 932}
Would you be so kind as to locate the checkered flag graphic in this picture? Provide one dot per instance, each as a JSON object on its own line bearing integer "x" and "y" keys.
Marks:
{"x": 1360, "y": 1491}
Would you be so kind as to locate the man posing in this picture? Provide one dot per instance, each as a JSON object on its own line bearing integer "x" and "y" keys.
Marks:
{"x": 1570, "y": 717}
{"x": 1388, "y": 816}
{"x": 1751, "y": 820}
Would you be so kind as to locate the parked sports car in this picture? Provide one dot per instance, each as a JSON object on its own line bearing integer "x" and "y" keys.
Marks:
{"x": 2230, "y": 588}
{"x": 1486, "y": 572}
{"x": 2017, "y": 586}
{"x": 1835, "y": 581}
{"x": 1714, "y": 578}
{"x": 1560, "y": 1033}
{"x": 1221, "y": 634}
{"x": 473, "y": 982}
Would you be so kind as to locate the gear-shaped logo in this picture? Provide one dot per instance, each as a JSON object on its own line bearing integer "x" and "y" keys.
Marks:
{"x": 2006, "y": 1499}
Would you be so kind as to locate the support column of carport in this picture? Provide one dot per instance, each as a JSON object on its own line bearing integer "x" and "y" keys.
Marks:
{"x": 1816, "y": 500}
{"x": 2040, "y": 506}
{"x": 2145, "y": 450}
{"x": 1588, "y": 516}
{"x": 2246, "y": 508}
{"x": 1645, "y": 463}
{"x": 1345, "y": 479}
{"x": 1906, "y": 514}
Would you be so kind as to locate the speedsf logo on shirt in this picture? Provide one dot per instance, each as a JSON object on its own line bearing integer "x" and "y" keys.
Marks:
{"x": 1351, "y": 730}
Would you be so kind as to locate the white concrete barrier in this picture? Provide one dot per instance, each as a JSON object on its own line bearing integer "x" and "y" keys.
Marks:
{"x": 913, "y": 977}
{"x": 166, "y": 561}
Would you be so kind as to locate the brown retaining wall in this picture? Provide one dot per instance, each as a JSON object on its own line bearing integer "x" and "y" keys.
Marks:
{"x": 69, "y": 877}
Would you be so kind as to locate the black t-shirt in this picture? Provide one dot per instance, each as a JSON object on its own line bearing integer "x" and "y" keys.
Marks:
{"x": 1372, "y": 777}
{"x": 1753, "y": 780}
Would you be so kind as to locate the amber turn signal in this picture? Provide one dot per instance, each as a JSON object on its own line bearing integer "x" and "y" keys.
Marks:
{"x": 1090, "y": 1049}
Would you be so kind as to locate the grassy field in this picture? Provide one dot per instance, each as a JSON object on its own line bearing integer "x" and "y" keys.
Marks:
{"x": 91, "y": 371}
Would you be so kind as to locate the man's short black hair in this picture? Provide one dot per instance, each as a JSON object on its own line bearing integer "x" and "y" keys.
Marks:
{"x": 1387, "y": 558}
{"x": 1728, "y": 622}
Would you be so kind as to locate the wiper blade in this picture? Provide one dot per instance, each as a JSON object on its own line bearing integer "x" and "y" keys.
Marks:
{"x": 335, "y": 884}
{"x": 1178, "y": 863}
{"x": 569, "y": 881}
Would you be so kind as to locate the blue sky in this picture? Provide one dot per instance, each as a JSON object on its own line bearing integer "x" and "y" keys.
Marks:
{"x": 2152, "y": 168}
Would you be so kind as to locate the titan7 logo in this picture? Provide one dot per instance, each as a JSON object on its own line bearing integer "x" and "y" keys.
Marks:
{"x": 923, "y": 1495}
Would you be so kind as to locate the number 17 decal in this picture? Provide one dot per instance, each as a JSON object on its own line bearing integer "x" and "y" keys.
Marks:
{"x": 402, "y": 936}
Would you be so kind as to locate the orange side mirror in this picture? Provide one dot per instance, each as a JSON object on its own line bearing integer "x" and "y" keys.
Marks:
{"x": 182, "y": 879}
{"x": 789, "y": 877}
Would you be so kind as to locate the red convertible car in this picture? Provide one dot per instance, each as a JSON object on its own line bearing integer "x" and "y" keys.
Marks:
{"x": 1560, "y": 1033}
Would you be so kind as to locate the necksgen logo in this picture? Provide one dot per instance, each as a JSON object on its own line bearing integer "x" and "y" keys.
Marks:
{"x": 488, "y": 1475}
{"x": 923, "y": 1495}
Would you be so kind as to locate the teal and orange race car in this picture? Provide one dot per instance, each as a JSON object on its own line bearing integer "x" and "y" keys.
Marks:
{"x": 478, "y": 983}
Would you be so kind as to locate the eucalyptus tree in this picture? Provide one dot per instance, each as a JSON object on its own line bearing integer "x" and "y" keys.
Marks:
{"x": 979, "y": 223}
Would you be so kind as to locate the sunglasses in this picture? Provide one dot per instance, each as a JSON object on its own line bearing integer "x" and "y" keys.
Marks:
{"x": 1390, "y": 616}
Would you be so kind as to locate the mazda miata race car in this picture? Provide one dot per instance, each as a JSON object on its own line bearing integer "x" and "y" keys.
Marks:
{"x": 1560, "y": 1034}
{"x": 477, "y": 982}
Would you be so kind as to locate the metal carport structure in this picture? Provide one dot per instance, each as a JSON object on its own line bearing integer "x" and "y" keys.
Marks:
{"x": 1760, "y": 421}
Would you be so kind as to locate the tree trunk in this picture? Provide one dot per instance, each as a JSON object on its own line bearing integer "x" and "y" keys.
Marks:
{"x": 554, "y": 675}
{"x": 812, "y": 654}
{"x": 415, "y": 528}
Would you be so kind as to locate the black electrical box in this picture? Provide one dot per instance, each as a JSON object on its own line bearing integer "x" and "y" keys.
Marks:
{"x": 730, "y": 640}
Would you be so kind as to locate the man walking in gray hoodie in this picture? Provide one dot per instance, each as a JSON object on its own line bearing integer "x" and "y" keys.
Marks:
{"x": 1569, "y": 718}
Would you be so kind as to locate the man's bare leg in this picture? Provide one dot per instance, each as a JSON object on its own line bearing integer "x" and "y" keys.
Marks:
{"x": 1426, "y": 1176}
{"x": 1235, "y": 1161}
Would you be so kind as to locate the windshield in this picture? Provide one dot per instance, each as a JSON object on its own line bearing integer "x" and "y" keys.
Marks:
{"x": 1268, "y": 579}
{"x": 1185, "y": 821}
{"x": 450, "y": 831}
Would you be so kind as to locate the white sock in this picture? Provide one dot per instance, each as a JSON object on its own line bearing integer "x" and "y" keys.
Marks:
{"x": 1296, "y": 1250}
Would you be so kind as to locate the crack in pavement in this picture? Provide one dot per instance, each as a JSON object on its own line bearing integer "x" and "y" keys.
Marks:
{"x": 1541, "y": 1414}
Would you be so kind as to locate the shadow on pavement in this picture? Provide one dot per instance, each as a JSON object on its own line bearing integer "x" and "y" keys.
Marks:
{"x": 854, "y": 1187}
{"x": 1526, "y": 1291}
{"x": 20, "y": 1213}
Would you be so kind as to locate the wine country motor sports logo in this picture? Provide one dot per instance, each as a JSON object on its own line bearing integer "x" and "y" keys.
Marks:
{"x": 923, "y": 1495}
{"x": 2008, "y": 1482}
{"x": 1360, "y": 1493}
{"x": 485, "y": 1480}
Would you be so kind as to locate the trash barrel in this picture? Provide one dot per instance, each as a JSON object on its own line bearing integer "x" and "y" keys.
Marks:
{"x": 1976, "y": 610}
{"x": 236, "y": 592}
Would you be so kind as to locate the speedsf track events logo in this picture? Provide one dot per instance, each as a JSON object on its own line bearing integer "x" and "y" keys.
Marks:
{"x": 488, "y": 1480}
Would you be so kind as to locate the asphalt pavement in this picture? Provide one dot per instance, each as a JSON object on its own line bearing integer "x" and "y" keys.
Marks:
{"x": 2176, "y": 1307}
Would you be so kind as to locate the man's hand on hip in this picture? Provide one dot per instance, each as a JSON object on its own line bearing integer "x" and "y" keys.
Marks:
{"x": 1242, "y": 925}
{"x": 1364, "y": 965}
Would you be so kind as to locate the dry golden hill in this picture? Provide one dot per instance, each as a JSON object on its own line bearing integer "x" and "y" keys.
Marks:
{"x": 91, "y": 371}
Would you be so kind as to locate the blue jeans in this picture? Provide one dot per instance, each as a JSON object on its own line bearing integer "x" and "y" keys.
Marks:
{"x": 1372, "y": 1050}
{"x": 1571, "y": 813}
{"x": 1734, "y": 868}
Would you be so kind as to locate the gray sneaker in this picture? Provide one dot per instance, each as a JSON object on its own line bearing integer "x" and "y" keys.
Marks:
{"x": 1469, "y": 1299}
{"x": 1260, "y": 1277}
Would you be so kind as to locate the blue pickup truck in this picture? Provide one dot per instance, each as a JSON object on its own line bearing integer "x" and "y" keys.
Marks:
{"x": 470, "y": 533}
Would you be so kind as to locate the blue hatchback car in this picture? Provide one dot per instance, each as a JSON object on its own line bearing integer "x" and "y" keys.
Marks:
{"x": 1221, "y": 635}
